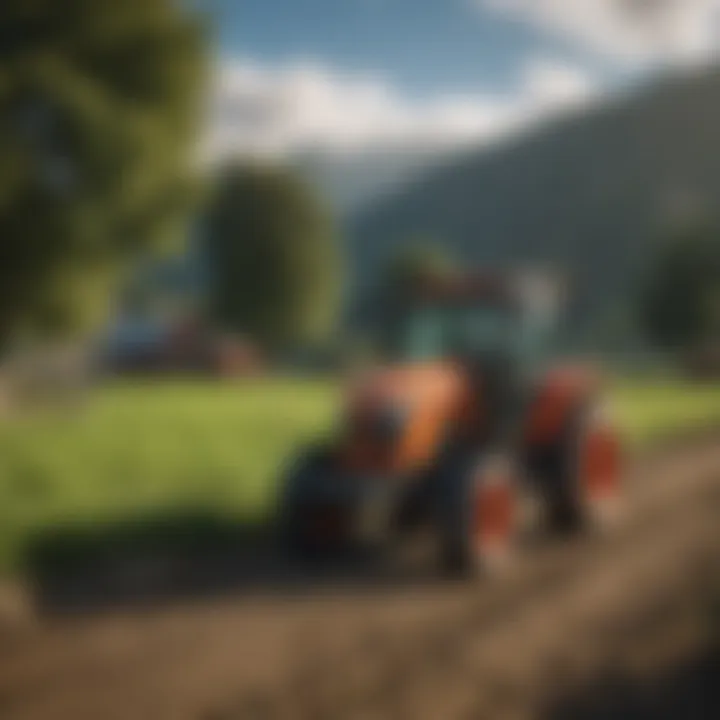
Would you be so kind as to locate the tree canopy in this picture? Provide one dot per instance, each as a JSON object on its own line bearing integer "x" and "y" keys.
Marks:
{"x": 99, "y": 105}
{"x": 273, "y": 257}
{"x": 680, "y": 306}
{"x": 417, "y": 262}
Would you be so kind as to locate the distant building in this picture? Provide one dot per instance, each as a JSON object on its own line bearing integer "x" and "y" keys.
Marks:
{"x": 182, "y": 346}
{"x": 160, "y": 326}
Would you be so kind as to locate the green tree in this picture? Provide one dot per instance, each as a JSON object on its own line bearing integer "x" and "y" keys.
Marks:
{"x": 273, "y": 257}
{"x": 385, "y": 302}
{"x": 418, "y": 261}
{"x": 99, "y": 104}
{"x": 680, "y": 307}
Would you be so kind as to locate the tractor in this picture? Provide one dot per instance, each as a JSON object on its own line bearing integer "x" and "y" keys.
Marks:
{"x": 470, "y": 423}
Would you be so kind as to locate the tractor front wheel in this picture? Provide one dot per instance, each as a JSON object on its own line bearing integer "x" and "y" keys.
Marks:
{"x": 300, "y": 480}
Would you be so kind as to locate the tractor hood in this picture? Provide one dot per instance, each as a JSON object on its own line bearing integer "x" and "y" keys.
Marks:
{"x": 397, "y": 417}
{"x": 410, "y": 385}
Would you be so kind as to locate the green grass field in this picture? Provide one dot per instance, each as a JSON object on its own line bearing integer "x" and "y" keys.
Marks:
{"x": 141, "y": 450}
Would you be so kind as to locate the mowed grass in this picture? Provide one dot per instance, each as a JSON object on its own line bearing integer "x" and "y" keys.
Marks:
{"x": 147, "y": 450}
{"x": 142, "y": 450}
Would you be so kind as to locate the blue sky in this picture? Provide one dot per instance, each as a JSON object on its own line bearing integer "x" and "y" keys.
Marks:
{"x": 306, "y": 73}
{"x": 422, "y": 45}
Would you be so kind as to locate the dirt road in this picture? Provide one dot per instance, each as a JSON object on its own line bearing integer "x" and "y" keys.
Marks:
{"x": 411, "y": 648}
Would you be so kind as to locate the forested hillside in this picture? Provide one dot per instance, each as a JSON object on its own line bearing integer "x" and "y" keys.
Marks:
{"x": 592, "y": 194}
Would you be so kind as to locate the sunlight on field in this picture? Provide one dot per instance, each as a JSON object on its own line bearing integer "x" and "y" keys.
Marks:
{"x": 217, "y": 447}
{"x": 158, "y": 447}
{"x": 648, "y": 412}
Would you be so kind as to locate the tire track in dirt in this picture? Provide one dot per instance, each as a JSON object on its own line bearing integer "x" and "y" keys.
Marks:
{"x": 388, "y": 648}
{"x": 499, "y": 657}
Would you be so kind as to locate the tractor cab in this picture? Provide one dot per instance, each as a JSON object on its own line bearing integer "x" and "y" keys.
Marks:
{"x": 477, "y": 319}
{"x": 496, "y": 330}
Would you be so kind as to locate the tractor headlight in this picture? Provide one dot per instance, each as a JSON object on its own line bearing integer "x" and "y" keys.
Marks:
{"x": 494, "y": 469}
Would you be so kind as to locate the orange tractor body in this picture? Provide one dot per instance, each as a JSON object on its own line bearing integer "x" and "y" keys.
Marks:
{"x": 443, "y": 396}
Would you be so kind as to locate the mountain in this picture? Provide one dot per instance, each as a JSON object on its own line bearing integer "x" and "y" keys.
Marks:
{"x": 353, "y": 180}
{"x": 592, "y": 194}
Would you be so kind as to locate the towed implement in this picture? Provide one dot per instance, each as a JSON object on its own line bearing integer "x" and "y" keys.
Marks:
{"x": 470, "y": 424}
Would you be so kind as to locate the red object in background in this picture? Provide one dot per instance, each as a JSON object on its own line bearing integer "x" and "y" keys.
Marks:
{"x": 191, "y": 347}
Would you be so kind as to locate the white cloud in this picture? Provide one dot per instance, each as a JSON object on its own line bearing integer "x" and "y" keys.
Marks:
{"x": 644, "y": 31}
{"x": 279, "y": 110}
{"x": 551, "y": 84}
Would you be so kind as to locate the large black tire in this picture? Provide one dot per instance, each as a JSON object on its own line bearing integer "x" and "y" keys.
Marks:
{"x": 572, "y": 499}
{"x": 471, "y": 497}
{"x": 304, "y": 472}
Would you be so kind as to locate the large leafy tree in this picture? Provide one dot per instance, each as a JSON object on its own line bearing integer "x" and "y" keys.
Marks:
{"x": 98, "y": 114}
{"x": 273, "y": 257}
{"x": 680, "y": 306}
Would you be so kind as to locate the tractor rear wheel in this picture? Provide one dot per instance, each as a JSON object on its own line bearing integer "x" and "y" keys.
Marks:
{"x": 585, "y": 488}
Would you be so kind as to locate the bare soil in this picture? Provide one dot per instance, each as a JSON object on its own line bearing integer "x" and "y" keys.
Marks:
{"x": 573, "y": 629}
